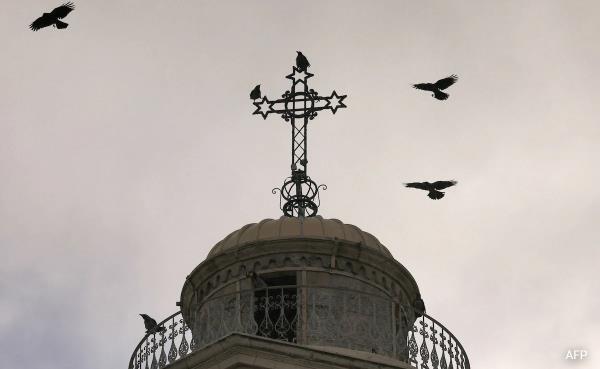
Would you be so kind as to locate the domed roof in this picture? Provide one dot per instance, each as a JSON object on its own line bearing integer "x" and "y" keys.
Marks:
{"x": 297, "y": 228}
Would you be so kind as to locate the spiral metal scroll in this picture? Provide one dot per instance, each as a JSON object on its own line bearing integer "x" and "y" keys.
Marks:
{"x": 299, "y": 195}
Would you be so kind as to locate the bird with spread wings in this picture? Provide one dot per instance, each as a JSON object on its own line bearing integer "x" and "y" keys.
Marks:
{"x": 433, "y": 188}
{"x": 437, "y": 87}
{"x": 151, "y": 325}
{"x": 52, "y": 18}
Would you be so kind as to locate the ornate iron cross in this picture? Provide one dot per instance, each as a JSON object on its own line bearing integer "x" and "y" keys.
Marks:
{"x": 297, "y": 106}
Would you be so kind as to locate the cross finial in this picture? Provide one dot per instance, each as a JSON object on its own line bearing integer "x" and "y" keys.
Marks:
{"x": 298, "y": 105}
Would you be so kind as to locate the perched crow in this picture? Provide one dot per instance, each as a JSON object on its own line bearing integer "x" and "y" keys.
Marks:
{"x": 419, "y": 305}
{"x": 257, "y": 281}
{"x": 151, "y": 325}
{"x": 52, "y": 18}
{"x": 255, "y": 94}
{"x": 432, "y": 187}
{"x": 436, "y": 88}
{"x": 301, "y": 62}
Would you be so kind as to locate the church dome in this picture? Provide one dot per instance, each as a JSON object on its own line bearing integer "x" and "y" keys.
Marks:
{"x": 286, "y": 228}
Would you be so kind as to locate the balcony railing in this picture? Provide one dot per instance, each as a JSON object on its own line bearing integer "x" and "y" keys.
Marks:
{"x": 329, "y": 317}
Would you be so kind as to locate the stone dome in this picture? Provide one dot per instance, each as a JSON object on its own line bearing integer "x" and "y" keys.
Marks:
{"x": 297, "y": 228}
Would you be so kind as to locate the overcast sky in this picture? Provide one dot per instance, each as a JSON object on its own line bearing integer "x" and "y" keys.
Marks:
{"x": 128, "y": 149}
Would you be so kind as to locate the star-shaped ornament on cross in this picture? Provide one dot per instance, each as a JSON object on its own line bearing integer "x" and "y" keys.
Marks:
{"x": 298, "y": 75}
{"x": 263, "y": 107}
{"x": 300, "y": 101}
{"x": 335, "y": 102}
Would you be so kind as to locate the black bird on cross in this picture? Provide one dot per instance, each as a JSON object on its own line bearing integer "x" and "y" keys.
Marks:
{"x": 255, "y": 93}
{"x": 301, "y": 62}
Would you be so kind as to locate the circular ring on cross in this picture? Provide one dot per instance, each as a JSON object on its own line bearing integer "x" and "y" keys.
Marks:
{"x": 299, "y": 104}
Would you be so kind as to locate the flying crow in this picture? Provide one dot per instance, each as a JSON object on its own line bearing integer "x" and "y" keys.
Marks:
{"x": 52, "y": 18}
{"x": 301, "y": 62}
{"x": 255, "y": 94}
{"x": 436, "y": 88}
{"x": 151, "y": 325}
{"x": 433, "y": 188}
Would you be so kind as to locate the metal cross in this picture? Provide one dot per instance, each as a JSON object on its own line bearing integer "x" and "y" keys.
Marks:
{"x": 297, "y": 106}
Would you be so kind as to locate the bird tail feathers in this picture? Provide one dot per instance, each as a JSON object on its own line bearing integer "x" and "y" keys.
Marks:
{"x": 156, "y": 329}
{"x": 440, "y": 95}
{"x": 61, "y": 24}
{"x": 435, "y": 195}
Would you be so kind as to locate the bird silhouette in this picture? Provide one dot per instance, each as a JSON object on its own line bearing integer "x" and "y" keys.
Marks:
{"x": 433, "y": 188}
{"x": 301, "y": 62}
{"x": 257, "y": 281}
{"x": 52, "y": 18}
{"x": 436, "y": 88}
{"x": 255, "y": 94}
{"x": 419, "y": 304}
{"x": 151, "y": 325}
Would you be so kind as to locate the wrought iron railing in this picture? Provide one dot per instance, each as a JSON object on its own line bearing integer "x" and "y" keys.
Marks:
{"x": 156, "y": 350}
{"x": 329, "y": 317}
